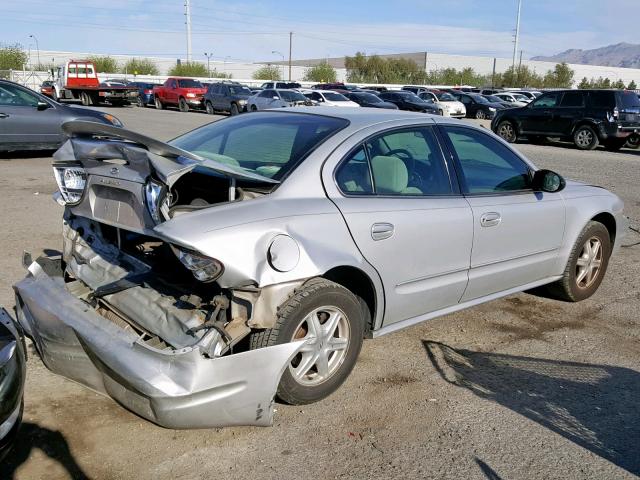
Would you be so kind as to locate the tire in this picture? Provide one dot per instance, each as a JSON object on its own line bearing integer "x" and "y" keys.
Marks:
{"x": 208, "y": 107}
{"x": 614, "y": 145}
{"x": 139, "y": 102}
{"x": 480, "y": 115}
{"x": 585, "y": 138}
{"x": 633, "y": 141}
{"x": 54, "y": 96}
{"x": 234, "y": 109}
{"x": 158, "y": 103}
{"x": 183, "y": 106}
{"x": 507, "y": 131}
{"x": 86, "y": 99}
{"x": 569, "y": 287}
{"x": 441, "y": 113}
{"x": 314, "y": 304}
{"x": 254, "y": 108}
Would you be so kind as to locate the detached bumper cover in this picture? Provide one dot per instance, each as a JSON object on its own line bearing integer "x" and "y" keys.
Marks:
{"x": 172, "y": 388}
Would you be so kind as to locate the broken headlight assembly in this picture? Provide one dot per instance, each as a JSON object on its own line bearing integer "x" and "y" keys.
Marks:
{"x": 154, "y": 193}
{"x": 71, "y": 182}
{"x": 205, "y": 269}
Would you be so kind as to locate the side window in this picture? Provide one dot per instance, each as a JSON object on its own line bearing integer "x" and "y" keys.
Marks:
{"x": 602, "y": 99}
{"x": 266, "y": 94}
{"x": 354, "y": 175}
{"x": 465, "y": 99}
{"x": 15, "y": 96}
{"x": 548, "y": 100}
{"x": 572, "y": 99}
{"x": 488, "y": 166}
{"x": 408, "y": 162}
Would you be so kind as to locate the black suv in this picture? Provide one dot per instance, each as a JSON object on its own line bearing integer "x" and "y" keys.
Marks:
{"x": 587, "y": 117}
{"x": 408, "y": 101}
{"x": 228, "y": 97}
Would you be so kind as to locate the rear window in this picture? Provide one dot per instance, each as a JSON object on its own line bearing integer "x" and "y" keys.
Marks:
{"x": 271, "y": 144}
{"x": 602, "y": 99}
{"x": 628, "y": 99}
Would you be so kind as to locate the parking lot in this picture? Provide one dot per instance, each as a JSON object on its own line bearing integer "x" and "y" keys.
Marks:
{"x": 520, "y": 388}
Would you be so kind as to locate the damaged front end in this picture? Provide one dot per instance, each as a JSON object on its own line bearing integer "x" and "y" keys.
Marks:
{"x": 136, "y": 316}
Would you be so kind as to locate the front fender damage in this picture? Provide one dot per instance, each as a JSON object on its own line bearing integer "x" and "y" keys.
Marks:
{"x": 172, "y": 388}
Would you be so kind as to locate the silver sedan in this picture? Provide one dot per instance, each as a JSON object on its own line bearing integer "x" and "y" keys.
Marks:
{"x": 250, "y": 257}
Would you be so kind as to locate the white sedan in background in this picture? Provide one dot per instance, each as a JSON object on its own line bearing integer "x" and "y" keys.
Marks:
{"x": 447, "y": 105}
{"x": 329, "y": 98}
{"x": 276, "y": 98}
{"x": 517, "y": 99}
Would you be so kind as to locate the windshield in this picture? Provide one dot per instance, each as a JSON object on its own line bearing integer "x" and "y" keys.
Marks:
{"x": 410, "y": 97}
{"x": 479, "y": 98}
{"x": 291, "y": 96}
{"x": 189, "y": 83}
{"x": 241, "y": 90}
{"x": 335, "y": 97}
{"x": 271, "y": 144}
{"x": 445, "y": 97}
{"x": 520, "y": 98}
{"x": 493, "y": 98}
{"x": 367, "y": 97}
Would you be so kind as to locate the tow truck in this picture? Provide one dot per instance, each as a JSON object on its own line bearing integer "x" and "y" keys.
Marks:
{"x": 78, "y": 80}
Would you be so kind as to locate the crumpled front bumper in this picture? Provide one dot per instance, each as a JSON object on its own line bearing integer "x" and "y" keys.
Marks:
{"x": 172, "y": 388}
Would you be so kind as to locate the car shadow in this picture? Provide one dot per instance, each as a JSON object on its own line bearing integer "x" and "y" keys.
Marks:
{"x": 50, "y": 442}
{"x": 26, "y": 154}
{"x": 594, "y": 406}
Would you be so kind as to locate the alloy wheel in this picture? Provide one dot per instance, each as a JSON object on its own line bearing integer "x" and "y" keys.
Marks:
{"x": 584, "y": 138}
{"x": 507, "y": 132}
{"x": 327, "y": 334}
{"x": 589, "y": 263}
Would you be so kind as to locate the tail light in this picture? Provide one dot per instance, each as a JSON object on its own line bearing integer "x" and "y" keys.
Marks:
{"x": 148, "y": 92}
{"x": 154, "y": 192}
{"x": 71, "y": 183}
{"x": 616, "y": 113}
{"x": 203, "y": 268}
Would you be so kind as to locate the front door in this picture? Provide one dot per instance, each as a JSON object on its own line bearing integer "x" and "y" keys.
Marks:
{"x": 21, "y": 123}
{"x": 540, "y": 114}
{"x": 407, "y": 218}
{"x": 517, "y": 233}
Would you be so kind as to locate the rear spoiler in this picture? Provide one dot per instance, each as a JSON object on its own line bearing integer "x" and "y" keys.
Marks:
{"x": 91, "y": 140}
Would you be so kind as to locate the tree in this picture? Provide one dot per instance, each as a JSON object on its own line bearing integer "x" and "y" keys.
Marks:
{"x": 560, "y": 77}
{"x": 322, "y": 72}
{"x": 268, "y": 72}
{"x": 189, "y": 69}
{"x": 12, "y": 57}
{"x": 606, "y": 83}
{"x": 632, "y": 85}
{"x": 584, "y": 83}
{"x": 619, "y": 84}
{"x": 104, "y": 64}
{"x": 140, "y": 66}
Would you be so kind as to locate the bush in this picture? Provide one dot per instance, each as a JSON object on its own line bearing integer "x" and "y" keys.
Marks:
{"x": 268, "y": 72}
{"x": 104, "y": 64}
{"x": 140, "y": 66}
{"x": 322, "y": 72}
{"x": 189, "y": 69}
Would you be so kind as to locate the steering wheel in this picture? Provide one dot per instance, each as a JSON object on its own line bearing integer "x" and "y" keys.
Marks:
{"x": 415, "y": 180}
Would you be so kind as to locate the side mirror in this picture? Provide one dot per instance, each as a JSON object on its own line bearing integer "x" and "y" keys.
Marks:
{"x": 42, "y": 106}
{"x": 547, "y": 181}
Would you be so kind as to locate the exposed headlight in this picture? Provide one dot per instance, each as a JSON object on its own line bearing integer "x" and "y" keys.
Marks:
{"x": 153, "y": 193}
{"x": 71, "y": 182}
{"x": 112, "y": 119}
{"x": 242, "y": 102}
{"x": 492, "y": 109}
{"x": 191, "y": 95}
{"x": 203, "y": 268}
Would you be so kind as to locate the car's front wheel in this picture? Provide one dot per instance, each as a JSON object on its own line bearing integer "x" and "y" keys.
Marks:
{"x": 330, "y": 318}
{"x": 507, "y": 131}
{"x": 234, "y": 109}
{"x": 587, "y": 265}
{"x": 254, "y": 108}
{"x": 480, "y": 115}
{"x": 209, "y": 108}
{"x": 183, "y": 106}
{"x": 159, "y": 104}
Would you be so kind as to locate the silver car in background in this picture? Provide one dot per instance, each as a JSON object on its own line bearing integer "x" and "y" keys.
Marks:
{"x": 276, "y": 98}
{"x": 250, "y": 257}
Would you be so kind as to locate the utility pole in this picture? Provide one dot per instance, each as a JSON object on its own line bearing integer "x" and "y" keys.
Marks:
{"x": 187, "y": 14}
{"x": 290, "y": 47}
{"x": 37, "y": 47}
{"x": 517, "y": 36}
{"x": 493, "y": 74}
{"x": 520, "y": 67}
{"x": 208, "y": 55}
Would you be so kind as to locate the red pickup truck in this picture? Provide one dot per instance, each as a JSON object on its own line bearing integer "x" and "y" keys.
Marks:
{"x": 184, "y": 93}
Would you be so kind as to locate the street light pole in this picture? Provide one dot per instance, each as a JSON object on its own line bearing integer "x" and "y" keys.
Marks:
{"x": 37, "y": 47}
{"x": 517, "y": 36}
{"x": 208, "y": 55}
{"x": 187, "y": 14}
{"x": 274, "y": 52}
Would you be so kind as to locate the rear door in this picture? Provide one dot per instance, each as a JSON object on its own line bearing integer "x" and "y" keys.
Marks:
{"x": 408, "y": 219}
{"x": 517, "y": 233}
{"x": 22, "y": 123}
{"x": 570, "y": 109}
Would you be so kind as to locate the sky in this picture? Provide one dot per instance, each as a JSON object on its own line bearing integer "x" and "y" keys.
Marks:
{"x": 251, "y": 30}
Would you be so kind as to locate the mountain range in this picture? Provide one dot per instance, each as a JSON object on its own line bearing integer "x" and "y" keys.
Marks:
{"x": 619, "y": 55}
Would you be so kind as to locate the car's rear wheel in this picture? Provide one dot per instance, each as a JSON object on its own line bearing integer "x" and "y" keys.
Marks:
{"x": 441, "y": 112}
{"x": 86, "y": 99}
{"x": 158, "y": 103}
{"x": 183, "y": 106}
{"x": 632, "y": 142}
{"x": 139, "y": 102}
{"x": 330, "y": 318}
{"x": 585, "y": 138}
{"x": 507, "y": 131}
{"x": 234, "y": 109}
{"x": 587, "y": 265}
{"x": 209, "y": 108}
{"x": 480, "y": 115}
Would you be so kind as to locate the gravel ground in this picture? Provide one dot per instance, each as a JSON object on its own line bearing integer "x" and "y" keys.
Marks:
{"x": 523, "y": 387}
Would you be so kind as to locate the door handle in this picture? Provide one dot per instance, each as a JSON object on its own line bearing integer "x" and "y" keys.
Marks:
{"x": 490, "y": 219}
{"x": 3, "y": 115}
{"x": 381, "y": 231}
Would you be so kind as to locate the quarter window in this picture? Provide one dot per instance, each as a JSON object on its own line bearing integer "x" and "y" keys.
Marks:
{"x": 602, "y": 99}
{"x": 487, "y": 165}
{"x": 354, "y": 175}
{"x": 572, "y": 99}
